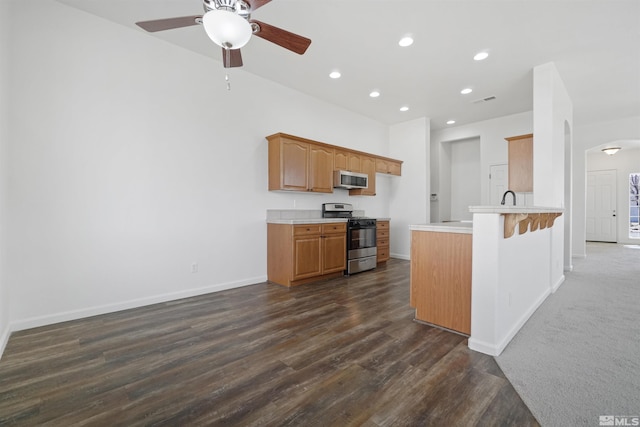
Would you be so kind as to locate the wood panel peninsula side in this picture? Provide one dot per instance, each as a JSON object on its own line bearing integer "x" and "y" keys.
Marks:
{"x": 441, "y": 256}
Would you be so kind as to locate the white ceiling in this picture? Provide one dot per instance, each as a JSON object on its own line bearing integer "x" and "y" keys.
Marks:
{"x": 595, "y": 46}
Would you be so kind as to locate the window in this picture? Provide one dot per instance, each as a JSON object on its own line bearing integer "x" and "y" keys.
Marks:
{"x": 634, "y": 205}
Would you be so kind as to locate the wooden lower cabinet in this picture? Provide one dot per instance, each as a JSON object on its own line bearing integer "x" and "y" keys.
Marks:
{"x": 304, "y": 253}
{"x": 382, "y": 241}
{"x": 441, "y": 279}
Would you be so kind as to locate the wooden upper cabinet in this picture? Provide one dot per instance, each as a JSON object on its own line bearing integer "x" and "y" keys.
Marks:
{"x": 395, "y": 168}
{"x": 354, "y": 163}
{"x": 293, "y": 171}
{"x": 390, "y": 167}
{"x": 368, "y": 166}
{"x": 320, "y": 169}
{"x": 340, "y": 160}
{"x": 299, "y": 166}
{"x": 521, "y": 163}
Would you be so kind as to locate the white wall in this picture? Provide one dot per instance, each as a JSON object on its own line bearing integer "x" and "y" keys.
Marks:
{"x": 624, "y": 163}
{"x": 510, "y": 281}
{"x": 513, "y": 276}
{"x": 587, "y": 137}
{"x": 4, "y": 141}
{"x": 493, "y": 151}
{"x": 553, "y": 111}
{"x": 409, "y": 194}
{"x": 129, "y": 161}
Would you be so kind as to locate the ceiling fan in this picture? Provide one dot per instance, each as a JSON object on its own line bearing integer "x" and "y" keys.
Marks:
{"x": 228, "y": 23}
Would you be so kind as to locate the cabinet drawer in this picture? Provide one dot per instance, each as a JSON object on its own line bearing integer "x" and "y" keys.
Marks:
{"x": 382, "y": 242}
{"x": 307, "y": 229}
{"x": 382, "y": 234}
{"x": 382, "y": 225}
{"x": 337, "y": 227}
{"x": 383, "y": 254}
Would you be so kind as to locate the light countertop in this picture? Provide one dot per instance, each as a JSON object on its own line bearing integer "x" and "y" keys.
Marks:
{"x": 506, "y": 209}
{"x": 312, "y": 220}
{"x": 445, "y": 227}
{"x": 306, "y": 221}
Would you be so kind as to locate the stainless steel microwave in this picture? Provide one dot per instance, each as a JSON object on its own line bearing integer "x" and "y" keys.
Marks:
{"x": 346, "y": 179}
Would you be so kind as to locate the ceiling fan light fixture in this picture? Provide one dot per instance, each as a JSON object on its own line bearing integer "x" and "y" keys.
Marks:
{"x": 611, "y": 150}
{"x": 406, "y": 41}
{"x": 227, "y": 29}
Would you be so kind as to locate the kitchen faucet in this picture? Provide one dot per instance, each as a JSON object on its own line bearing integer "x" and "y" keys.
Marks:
{"x": 505, "y": 195}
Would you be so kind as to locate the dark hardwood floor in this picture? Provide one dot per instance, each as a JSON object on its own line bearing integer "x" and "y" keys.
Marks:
{"x": 338, "y": 353}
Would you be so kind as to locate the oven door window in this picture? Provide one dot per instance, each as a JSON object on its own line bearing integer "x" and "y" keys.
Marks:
{"x": 362, "y": 238}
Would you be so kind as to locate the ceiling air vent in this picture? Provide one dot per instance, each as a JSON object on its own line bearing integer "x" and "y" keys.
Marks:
{"x": 487, "y": 99}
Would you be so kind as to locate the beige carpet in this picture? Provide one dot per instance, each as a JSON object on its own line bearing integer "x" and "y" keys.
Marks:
{"x": 578, "y": 356}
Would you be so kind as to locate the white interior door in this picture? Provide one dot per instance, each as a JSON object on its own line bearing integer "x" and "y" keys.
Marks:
{"x": 601, "y": 206}
{"x": 498, "y": 182}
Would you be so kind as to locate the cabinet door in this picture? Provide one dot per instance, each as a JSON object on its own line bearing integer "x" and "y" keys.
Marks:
{"x": 334, "y": 253}
{"x": 340, "y": 160}
{"x": 307, "y": 257}
{"x": 320, "y": 169}
{"x": 521, "y": 163}
{"x": 395, "y": 168}
{"x": 295, "y": 168}
{"x": 353, "y": 164}
{"x": 368, "y": 166}
{"x": 382, "y": 166}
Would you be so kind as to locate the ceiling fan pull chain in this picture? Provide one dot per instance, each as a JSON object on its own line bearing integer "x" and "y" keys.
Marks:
{"x": 227, "y": 53}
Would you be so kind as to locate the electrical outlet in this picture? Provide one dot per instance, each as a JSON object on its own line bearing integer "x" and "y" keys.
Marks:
{"x": 194, "y": 267}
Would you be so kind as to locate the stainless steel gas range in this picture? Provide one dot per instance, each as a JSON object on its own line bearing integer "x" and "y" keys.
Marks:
{"x": 361, "y": 237}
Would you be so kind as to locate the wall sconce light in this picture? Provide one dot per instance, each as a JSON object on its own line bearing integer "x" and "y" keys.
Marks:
{"x": 611, "y": 150}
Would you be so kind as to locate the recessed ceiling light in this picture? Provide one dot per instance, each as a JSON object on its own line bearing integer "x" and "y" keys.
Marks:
{"x": 406, "y": 41}
{"x": 466, "y": 91}
{"x": 404, "y": 108}
{"x": 374, "y": 94}
{"x": 335, "y": 74}
{"x": 450, "y": 122}
{"x": 480, "y": 56}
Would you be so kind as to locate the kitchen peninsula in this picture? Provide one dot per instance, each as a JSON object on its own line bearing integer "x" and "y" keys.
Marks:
{"x": 441, "y": 274}
{"x": 486, "y": 278}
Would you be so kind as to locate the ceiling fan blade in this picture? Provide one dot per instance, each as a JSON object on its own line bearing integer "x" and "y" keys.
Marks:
{"x": 231, "y": 58}
{"x": 284, "y": 38}
{"x": 254, "y": 4}
{"x": 169, "y": 23}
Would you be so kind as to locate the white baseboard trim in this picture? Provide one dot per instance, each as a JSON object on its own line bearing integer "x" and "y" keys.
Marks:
{"x": 483, "y": 347}
{"x": 50, "y": 319}
{"x": 560, "y": 281}
{"x": 520, "y": 323}
{"x": 400, "y": 256}
{"x": 4, "y": 339}
{"x": 495, "y": 349}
